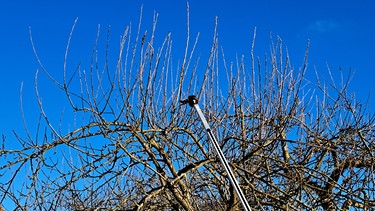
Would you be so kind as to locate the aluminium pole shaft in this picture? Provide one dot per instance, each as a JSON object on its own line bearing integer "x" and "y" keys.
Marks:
{"x": 193, "y": 102}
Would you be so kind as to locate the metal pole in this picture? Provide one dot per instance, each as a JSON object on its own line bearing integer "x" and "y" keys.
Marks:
{"x": 193, "y": 102}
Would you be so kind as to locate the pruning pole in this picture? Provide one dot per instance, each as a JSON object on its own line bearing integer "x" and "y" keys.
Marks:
{"x": 193, "y": 102}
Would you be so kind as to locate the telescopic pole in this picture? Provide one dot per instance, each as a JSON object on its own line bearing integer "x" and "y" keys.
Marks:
{"x": 193, "y": 102}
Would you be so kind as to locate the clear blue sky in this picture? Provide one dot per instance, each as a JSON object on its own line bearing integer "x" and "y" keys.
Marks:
{"x": 342, "y": 35}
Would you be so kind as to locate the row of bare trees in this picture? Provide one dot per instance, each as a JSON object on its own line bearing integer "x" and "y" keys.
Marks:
{"x": 294, "y": 142}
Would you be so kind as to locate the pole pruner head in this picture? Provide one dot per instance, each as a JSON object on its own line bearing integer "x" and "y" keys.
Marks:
{"x": 191, "y": 100}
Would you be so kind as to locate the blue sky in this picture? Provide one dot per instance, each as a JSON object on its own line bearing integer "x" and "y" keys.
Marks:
{"x": 341, "y": 32}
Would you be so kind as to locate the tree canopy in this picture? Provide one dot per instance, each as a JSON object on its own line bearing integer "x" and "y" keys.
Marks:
{"x": 294, "y": 143}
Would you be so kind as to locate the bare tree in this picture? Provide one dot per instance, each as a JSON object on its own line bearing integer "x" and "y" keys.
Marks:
{"x": 294, "y": 143}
